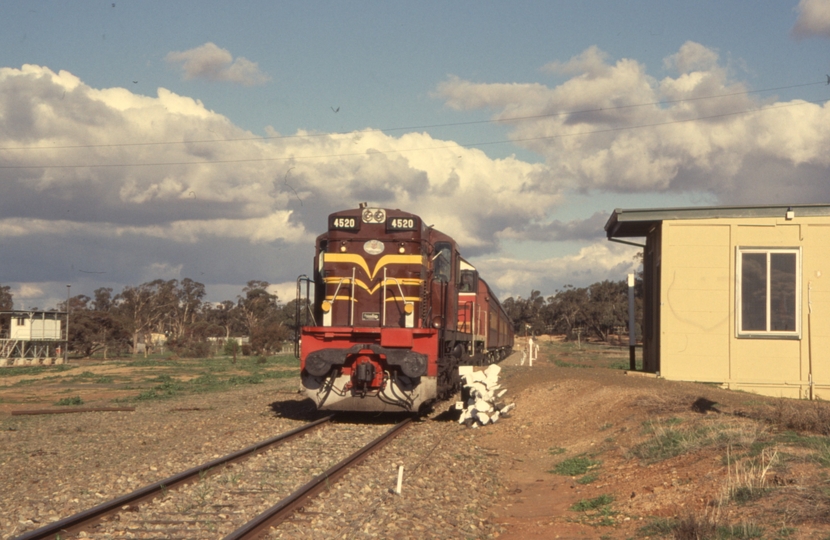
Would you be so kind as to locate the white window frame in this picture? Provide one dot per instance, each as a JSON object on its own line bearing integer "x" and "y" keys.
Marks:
{"x": 768, "y": 334}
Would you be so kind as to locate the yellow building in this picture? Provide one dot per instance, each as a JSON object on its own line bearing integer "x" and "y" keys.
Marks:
{"x": 738, "y": 296}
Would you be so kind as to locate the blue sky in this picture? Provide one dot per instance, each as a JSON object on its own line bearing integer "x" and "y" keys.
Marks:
{"x": 317, "y": 106}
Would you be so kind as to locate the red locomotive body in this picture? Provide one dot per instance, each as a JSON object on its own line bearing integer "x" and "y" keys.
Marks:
{"x": 386, "y": 330}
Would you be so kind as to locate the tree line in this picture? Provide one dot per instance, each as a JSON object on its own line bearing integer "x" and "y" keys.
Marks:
{"x": 111, "y": 324}
{"x": 597, "y": 311}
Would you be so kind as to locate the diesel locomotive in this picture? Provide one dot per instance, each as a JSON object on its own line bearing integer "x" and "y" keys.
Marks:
{"x": 395, "y": 311}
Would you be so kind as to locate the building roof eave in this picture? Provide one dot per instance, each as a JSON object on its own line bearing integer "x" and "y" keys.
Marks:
{"x": 628, "y": 223}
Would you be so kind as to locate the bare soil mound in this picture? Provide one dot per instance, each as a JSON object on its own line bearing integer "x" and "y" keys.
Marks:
{"x": 598, "y": 453}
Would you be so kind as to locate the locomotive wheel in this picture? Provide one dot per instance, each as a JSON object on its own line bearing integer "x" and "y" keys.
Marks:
{"x": 448, "y": 379}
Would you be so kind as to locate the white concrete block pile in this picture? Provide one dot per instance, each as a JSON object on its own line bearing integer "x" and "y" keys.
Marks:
{"x": 484, "y": 406}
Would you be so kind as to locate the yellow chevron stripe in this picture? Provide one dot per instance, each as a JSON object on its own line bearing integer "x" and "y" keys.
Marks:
{"x": 389, "y": 283}
{"x": 405, "y": 299}
{"x": 358, "y": 260}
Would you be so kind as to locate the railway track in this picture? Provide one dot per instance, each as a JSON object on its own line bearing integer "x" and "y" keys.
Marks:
{"x": 215, "y": 499}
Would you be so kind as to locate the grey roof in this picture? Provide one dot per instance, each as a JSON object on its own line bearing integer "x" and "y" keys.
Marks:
{"x": 627, "y": 223}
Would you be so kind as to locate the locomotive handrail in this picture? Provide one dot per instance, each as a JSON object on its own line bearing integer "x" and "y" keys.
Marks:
{"x": 298, "y": 310}
{"x": 351, "y": 302}
{"x": 351, "y": 298}
{"x": 400, "y": 290}
{"x": 473, "y": 327}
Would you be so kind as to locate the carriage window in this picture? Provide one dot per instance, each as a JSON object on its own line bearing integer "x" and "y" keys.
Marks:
{"x": 768, "y": 292}
{"x": 442, "y": 261}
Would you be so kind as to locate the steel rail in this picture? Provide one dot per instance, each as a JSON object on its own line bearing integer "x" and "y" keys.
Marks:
{"x": 283, "y": 509}
{"x": 79, "y": 521}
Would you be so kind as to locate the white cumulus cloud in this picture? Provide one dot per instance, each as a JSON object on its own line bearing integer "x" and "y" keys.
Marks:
{"x": 614, "y": 127}
{"x": 213, "y": 63}
{"x": 813, "y": 19}
{"x": 128, "y": 185}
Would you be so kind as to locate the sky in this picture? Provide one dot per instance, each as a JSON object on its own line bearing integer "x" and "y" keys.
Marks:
{"x": 209, "y": 140}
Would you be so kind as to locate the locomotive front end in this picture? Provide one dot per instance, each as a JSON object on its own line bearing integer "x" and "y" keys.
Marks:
{"x": 367, "y": 347}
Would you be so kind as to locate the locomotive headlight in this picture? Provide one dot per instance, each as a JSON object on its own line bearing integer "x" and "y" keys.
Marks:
{"x": 402, "y": 248}
{"x": 325, "y": 306}
{"x": 408, "y": 308}
{"x": 343, "y": 249}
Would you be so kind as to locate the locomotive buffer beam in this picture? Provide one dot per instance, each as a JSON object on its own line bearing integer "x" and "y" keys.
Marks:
{"x": 412, "y": 364}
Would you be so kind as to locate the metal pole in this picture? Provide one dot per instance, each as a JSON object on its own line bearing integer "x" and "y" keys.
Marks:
{"x": 66, "y": 345}
{"x": 632, "y": 335}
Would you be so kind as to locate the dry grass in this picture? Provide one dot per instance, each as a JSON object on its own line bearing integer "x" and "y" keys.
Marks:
{"x": 809, "y": 416}
{"x": 747, "y": 478}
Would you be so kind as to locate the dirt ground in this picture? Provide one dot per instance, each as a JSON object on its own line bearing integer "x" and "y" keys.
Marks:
{"x": 649, "y": 458}
{"x": 713, "y": 467}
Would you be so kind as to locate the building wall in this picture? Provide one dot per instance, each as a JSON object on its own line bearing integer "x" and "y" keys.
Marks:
{"x": 698, "y": 307}
{"x": 816, "y": 282}
{"x": 35, "y": 329}
{"x": 695, "y": 301}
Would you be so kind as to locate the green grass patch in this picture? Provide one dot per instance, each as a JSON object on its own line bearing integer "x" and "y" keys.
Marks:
{"x": 667, "y": 444}
{"x": 570, "y": 354}
{"x": 704, "y": 529}
{"x": 26, "y": 382}
{"x": 33, "y": 370}
{"x": 575, "y": 466}
{"x": 740, "y": 531}
{"x": 89, "y": 377}
{"x": 597, "y": 503}
{"x": 70, "y": 401}
{"x": 818, "y": 444}
{"x": 562, "y": 363}
{"x": 668, "y": 439}
{"x": 588, "y": 478}
{"x": 745, "y": 494}
{"x": 626, "y": 365}
{"x": 167, "y": 387}
{"x": 658, "y": 528}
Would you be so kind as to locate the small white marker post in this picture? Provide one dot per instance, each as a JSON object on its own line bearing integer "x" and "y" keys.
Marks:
{"x": 400, "y": 479}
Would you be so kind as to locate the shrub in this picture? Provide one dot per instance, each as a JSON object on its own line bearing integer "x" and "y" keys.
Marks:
{"x": 76, "y": 400}
{"x": 231, "y": 347}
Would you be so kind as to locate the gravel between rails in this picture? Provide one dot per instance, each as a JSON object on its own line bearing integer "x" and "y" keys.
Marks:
{"x": 57, "y": 465}
{"x": 218, "y": 504}
{"x": 448, "y": 485}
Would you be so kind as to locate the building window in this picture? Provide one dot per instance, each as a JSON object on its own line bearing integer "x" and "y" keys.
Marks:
{"x": 769, "y": 292}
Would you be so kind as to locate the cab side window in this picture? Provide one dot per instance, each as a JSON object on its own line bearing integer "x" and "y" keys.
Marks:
{"x": 442, "y": 261}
